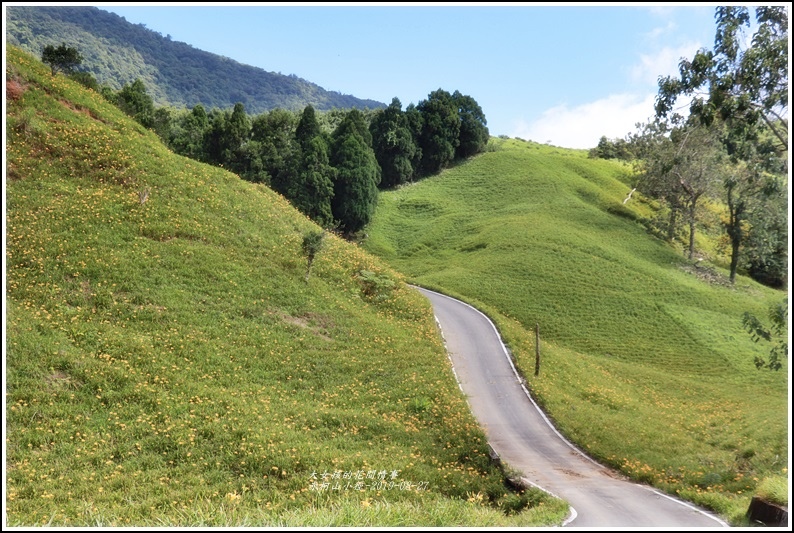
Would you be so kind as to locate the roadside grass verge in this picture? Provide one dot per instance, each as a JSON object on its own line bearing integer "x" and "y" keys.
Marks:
{"x": 644, "y": 362}
{"x": 167, "y": 364}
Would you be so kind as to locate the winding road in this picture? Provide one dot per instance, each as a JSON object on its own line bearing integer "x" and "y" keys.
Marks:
{"x": 525, "y": 439}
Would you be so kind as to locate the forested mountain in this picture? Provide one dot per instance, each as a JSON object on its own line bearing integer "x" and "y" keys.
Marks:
{"x": 117, "y": 52}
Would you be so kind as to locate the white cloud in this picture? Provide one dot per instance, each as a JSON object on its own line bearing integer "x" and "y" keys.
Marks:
{"x": 582, "y": 126}
{"x": 663, "y": 63}
{"x": 658, "y": 32}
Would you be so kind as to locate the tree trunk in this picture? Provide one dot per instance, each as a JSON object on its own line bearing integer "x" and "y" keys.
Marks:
{"x": 734, "y": 258}
{"x": 734, "y": 230}
{"x": 672, "y": 222}
{"x": 692, "y": 214}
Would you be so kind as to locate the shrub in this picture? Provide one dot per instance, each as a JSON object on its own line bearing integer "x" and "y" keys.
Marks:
{"x": 375, "y": 287}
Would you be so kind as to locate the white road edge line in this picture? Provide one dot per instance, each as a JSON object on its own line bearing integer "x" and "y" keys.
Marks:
{"x": 543, "y": 415}
{"x": 572, "y": 514}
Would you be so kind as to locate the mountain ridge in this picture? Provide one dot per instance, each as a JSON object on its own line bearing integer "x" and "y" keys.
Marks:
{"x": 116, "y": 52}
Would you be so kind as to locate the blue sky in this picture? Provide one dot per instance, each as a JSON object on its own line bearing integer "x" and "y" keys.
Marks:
{"x": 565, "y": 74}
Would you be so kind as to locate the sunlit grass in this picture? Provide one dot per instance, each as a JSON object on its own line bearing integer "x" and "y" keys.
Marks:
{"x": 774, "y": 489}
{"x": 167, "y": 364}
{"x": 643, "y": 364}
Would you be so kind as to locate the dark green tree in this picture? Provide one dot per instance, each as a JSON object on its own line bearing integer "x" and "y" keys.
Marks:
{"x": 238, "y": 128}
{"x": 393, "y": 145}
{"x": 440, "y": 131}
{"x": 765, "y": 249}
{"x": 312, "y": 186}
{"x": 189, "y": 129}
{"x": 415, "y": 124}
{"x": 108, "y": 94}
{"x": 605, "y": 149}
{"x": 85, "y": 79}
{"x": 214, "y": 136}
{"x": 275, "y": 133}
{"x": 473, "y": 134}
{"x": 61, "y": 58}
{"x": 136, "y": 102}
{"x": 248, "y": 163}
{"x": 613, "y": 149}
{"x": 226, "y": 136}
{"x": 313, "y": 242}
{"x": 236, "y": 156}
{"x": 308, "y": 127}
{"x": 357, "y": 173}
{"x": 162, "y": 123}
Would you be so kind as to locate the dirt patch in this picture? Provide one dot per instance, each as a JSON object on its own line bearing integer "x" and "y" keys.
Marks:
{"x": 14, "y": 90}
{"x": 707, "y": 274}
{"x": 80, "y": 109}
{"x": 59, "y": 380}
{"x": 317, "y": 324}
{"x": 614, "y": 474}
{"x": 569, "y": 473}
{"x": 12, "y": 174}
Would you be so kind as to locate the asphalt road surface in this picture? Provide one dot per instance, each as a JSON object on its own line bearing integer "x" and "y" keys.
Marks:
{"x": 524, "y": 438}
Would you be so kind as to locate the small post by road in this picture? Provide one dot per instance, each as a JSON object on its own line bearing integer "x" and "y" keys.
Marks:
{"x": 537, "y": 349}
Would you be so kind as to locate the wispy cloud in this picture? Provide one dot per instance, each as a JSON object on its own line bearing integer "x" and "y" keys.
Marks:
{"x": 582, "y": 126}
{"x": 662, "y": 63}
{"x": 662, "y": 30}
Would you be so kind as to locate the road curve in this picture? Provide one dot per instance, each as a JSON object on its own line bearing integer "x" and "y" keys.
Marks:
{"x": 525, "y": 439}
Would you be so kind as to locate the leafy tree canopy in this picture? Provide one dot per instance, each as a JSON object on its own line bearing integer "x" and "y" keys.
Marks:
{"x": 61, "y": 58}
{"x": 358, "y": 173}
{"x": 394, "y": 145}
{"x": 742, "y": 86}
{"x": 440, "y": 130}
{"x": 473, "y": 130}
{"x": 136, "y": 102}
{"x": 776, "y": 333}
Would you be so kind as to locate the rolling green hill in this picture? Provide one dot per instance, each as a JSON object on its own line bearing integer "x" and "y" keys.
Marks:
{"x": 644, "y": 361}
{"x": 167, "y": 364}
{"x": 118, "y": 52}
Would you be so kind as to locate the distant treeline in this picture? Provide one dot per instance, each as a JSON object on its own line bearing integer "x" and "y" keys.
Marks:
{"x": 330, "y": 165}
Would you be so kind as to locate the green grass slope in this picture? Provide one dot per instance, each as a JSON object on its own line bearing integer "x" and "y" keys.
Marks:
{"x": 644, "y": 360}
{"x": 167, "y": 364}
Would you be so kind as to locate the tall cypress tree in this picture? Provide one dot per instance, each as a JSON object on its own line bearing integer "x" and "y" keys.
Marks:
{"x": 393, "y": 144}
{"x": 440, "y": 131}
{"x": 275, "y": 132}
{"x": 312, "y": 186}
{"x": 308, "y": 127}
{"x": 357, "y": 173}
{"x": 473, "y": 130}
{"x": 236, "y": 133}
{"x": 415, "y": 123}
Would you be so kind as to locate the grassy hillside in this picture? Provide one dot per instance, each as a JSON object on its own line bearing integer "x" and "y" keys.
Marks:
{"x": 644, "y": 360}
{"x": 167, "y": 364}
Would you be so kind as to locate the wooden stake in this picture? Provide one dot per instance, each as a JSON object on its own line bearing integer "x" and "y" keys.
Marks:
{"x": 537, "y": 349}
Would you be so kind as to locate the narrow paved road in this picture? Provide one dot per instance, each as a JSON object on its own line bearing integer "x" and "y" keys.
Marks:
{"x": 523, "y": 437}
